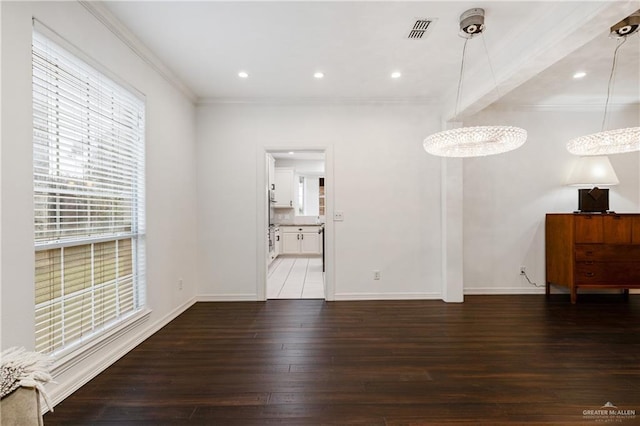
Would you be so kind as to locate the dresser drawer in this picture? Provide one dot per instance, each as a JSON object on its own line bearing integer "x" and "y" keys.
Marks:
{"x": 592, "y": 251}
{"x": 607, "y": 252}
{"x": 611, "y": 273}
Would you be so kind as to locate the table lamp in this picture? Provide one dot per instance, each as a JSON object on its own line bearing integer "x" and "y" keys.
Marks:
{"x": 593, "y": 172}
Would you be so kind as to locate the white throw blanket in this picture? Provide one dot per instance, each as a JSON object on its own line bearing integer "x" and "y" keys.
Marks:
{"x": 19, "y": 367}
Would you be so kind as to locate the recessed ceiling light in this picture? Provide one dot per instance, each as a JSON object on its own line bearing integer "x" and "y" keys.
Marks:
{"x": 291, "y": 152}
{"x": 396, "y": 74}
{"x": 243, "y": 74}
{"x": 318, "y": 74}
{"x": 579, "y": 74}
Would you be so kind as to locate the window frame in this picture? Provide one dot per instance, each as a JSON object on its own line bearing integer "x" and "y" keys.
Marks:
{"x": 137, "y": 232}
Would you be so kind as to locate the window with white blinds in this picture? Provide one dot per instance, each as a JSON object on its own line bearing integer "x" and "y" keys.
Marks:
{"x": 88, "y": 176}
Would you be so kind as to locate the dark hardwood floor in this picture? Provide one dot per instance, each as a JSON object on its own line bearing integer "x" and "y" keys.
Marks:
{"x": 492, "y": 360}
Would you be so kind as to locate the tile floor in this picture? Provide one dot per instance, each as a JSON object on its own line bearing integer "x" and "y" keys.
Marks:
{"x": 295, "y": 278}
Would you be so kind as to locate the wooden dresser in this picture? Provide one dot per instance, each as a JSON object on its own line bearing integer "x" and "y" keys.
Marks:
{"x": 593, "y": 251}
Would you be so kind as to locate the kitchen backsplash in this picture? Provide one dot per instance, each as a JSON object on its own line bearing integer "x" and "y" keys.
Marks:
{"x": 291, "y": 219}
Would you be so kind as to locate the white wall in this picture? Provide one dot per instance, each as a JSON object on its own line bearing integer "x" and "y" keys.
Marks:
{"x": 507, "y": 196}
{"x": 170, "y": 180}
{"x": 383, "y": 181}
{"x": 390, "y": 192}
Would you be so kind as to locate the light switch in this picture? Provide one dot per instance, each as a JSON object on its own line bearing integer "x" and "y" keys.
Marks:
{"x": 338, "y": 216}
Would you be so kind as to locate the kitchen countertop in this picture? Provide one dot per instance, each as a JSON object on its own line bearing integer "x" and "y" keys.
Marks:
{"x": 298, "y": 224}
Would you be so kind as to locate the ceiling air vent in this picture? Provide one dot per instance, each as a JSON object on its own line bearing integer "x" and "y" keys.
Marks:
{"x": 419, "y": 29}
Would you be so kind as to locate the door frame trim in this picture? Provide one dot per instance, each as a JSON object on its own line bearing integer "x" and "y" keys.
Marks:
{"x": 262, "y": 245}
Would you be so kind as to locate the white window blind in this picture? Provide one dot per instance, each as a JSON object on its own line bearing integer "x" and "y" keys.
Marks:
{"x": 88, "y": 174}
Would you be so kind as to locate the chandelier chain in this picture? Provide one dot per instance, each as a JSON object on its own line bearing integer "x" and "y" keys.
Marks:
{"x": 464, "y": 50}
{"x": 611, "y": 79}
{"x": 475, "y": 141}
{"x": 493, "y": 74}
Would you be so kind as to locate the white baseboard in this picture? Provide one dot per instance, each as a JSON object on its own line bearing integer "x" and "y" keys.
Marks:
{"x": 117, "y": 349}
{"x": 387, "y": 296}
{"x": 338, "y": 297}
{"x": 227, "y": 298}
{"x": 503, "y": 290}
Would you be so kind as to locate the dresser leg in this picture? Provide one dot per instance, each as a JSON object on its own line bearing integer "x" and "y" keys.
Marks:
{"x": 547, "y": 289}
{"x": 574, "y": 295}
{"x": 626, "y": 294}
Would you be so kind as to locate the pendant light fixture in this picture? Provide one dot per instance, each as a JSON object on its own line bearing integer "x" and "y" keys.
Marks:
{"x": 479, "y": 140}
{"x": 618, "y": 140}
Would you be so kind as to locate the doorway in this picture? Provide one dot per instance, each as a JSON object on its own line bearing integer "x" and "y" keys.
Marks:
{"x": 296, "y": 211}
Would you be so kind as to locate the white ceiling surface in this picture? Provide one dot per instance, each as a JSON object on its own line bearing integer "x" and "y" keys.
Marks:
{"x": 534, "y": 46}
{"x": 555, "y": 85}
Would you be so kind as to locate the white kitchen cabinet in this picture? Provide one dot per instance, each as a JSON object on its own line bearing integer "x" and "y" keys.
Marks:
{"x": 271, "y": 172}
{"x": 290, "y": 242}
{"x": 301, "y": 239}
{"x": 310, "y": 243}
{"x": 283, "y": 179}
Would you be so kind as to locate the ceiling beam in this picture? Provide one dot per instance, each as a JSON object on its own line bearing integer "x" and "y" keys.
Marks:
{"x": 542, "y": 43}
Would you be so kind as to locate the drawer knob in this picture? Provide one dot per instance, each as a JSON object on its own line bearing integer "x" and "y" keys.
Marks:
{"x": 590, "y": 274}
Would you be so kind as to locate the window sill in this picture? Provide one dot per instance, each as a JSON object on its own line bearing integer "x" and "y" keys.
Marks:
{"x": 67, "y": 360}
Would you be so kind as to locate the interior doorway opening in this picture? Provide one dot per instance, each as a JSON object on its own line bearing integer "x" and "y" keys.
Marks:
{"x": 295, "y": 259}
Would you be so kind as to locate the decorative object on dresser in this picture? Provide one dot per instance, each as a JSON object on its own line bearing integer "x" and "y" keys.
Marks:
{"x": 593, "y": 172}
{"x": 599, "y": 251}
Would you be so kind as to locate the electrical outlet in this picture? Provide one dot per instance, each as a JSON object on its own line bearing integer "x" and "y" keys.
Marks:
{"x": 376, "y": 275}
{"x": 523, "y": 270}
{"x": 180, "y": 284}
{"x": 338, "y": 216}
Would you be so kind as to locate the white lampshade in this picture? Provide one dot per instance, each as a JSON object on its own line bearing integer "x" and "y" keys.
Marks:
{"x": 593, "y": 171}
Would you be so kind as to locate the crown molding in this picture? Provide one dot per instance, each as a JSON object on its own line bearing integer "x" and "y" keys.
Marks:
{"x": 428, "y": 102}
{"x": 561, "y": 107}
{"x": 329, "y": 101}
{"x": 113, "y": 24}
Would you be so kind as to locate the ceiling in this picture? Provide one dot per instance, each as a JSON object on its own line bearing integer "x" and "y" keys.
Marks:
{"x": 535, "y": 47}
